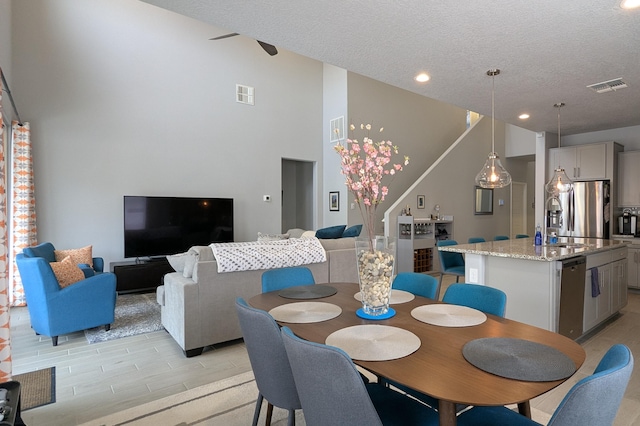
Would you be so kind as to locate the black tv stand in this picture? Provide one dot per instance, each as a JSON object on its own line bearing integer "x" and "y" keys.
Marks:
{"x": 139, "y": 276}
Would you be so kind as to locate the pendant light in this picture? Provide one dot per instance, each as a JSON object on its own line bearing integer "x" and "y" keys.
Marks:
{"x": 560, "y": 182}
{"x": 493, "y": 175}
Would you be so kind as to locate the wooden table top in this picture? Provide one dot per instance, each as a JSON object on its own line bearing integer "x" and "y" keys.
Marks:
{"x": 438, "y": 367}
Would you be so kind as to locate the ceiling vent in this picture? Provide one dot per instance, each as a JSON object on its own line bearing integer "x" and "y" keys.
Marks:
{"x": 608, "y": 86}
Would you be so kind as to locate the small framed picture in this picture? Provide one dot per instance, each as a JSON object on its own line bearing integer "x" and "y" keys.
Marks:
{"x": 334, "y": 201}
{"x": 421, "y": 201}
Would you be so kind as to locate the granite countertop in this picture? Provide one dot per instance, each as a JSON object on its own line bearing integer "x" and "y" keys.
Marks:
{"x": 523, "y": 248}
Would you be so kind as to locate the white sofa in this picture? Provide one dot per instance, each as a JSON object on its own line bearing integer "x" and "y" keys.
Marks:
{"x": 199, "y": 310}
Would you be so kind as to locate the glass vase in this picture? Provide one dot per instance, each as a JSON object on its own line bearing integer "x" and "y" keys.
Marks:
{"x": 375, "y": 258}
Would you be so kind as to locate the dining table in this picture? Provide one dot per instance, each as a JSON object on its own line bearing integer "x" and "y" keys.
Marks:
{"x": 438, "y": 367}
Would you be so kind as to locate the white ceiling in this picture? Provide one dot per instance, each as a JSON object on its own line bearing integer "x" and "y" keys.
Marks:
{"x": 548, "y": 51}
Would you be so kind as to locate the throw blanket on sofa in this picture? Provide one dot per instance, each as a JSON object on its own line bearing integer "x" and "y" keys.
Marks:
{"x": 267, "y": 254}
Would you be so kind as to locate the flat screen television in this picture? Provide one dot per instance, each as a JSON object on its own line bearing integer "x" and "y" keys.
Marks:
{"x": 158, "y": 226}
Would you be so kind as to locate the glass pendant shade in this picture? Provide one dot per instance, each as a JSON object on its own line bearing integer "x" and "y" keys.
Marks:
{"x": 559, "y": 183}
{"x": 493, "y": 175}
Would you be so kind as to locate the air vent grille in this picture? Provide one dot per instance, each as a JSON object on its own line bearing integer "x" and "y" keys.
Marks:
{"x": 245, "y": 94}
{"x": 608, "y": 86}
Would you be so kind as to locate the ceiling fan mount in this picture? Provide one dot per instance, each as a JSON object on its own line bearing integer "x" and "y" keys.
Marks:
{"x": 269, "y": 48}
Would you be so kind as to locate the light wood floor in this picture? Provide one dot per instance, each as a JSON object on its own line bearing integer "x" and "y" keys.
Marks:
{"x": 95, "y": 380}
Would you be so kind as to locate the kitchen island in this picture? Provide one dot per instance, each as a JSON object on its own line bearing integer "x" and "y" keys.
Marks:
{"x": 532, "y": 278}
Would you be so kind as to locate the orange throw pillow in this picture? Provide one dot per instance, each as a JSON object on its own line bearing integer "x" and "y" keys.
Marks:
{"x": 81, "y": 255}
{"x": 67, "y": 272}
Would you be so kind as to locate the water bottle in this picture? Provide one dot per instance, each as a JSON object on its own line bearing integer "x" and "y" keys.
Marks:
{"x": 538, "y": 238}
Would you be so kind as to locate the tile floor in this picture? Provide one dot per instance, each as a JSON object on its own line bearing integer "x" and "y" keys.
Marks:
{"x": 95, "y": 380}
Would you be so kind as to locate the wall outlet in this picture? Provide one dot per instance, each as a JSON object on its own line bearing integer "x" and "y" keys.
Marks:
{"x": 266, "y": 198}
{"x": 473, "y": 275}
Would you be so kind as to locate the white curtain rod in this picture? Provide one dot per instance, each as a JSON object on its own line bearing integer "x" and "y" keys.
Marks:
{"x": 5, "y": 87}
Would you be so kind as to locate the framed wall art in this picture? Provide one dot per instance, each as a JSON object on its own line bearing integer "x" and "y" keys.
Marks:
{"x": 334, "y": 201}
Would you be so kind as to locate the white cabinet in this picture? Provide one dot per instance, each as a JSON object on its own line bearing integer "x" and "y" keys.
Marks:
{"x": 612, "y": 281}
{"x": 633, "y": 260}
{"x": 619, "y": 293}
{"x": 582, "y": 162}
{"x": 633, "y": 267}
{"x": 597, "y": 309}
{"x": 417, "y": 243}
{"x": 629, "y": 179}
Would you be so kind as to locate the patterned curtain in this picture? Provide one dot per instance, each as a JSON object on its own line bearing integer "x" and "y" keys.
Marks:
{"x": 5, "y": 327}
{"x": 23, "y": 225}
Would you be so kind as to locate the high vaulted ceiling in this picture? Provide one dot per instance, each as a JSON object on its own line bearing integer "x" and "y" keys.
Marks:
{"x": 548, "y": 51}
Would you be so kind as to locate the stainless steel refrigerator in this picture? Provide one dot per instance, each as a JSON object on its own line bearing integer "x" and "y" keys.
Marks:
{"x": 586, "y": 210}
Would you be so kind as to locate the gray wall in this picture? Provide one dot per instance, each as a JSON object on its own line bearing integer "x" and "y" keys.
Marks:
{"x": 5, "y": 51}
{"x": 125, "y": 98}
{"x": 422, "y": 128}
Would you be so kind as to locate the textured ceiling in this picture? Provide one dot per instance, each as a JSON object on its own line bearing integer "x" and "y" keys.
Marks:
{"x": 548, "y": 51}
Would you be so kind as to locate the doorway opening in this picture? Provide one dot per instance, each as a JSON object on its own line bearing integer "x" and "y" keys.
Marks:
{"x": 298, "y": 194}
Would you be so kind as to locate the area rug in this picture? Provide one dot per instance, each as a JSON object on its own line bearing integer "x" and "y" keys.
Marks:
{"x": 135, "y": 314}
{"x": 229, "y": 402}
{"x": 37, "y": 388}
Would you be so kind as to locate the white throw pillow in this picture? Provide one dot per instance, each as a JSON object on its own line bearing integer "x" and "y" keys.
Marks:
{"x": 308, "y": 234}
{"x": 177, "y": 261}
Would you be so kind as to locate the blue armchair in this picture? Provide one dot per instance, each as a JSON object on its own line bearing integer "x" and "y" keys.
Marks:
{"x": 55, "y": 311}
{"x": 47, "y": 251}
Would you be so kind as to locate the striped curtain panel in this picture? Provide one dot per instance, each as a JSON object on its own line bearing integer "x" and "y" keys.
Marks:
{"x": 5, "y": 328}
{"x": 23, "y": 225}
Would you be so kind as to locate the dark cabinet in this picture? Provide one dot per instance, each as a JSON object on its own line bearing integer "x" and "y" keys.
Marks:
{"x": 132, "y": 277}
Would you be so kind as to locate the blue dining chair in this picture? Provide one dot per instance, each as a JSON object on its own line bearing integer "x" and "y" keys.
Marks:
{"x": 481, "y": 297}
{"x": 594, "y": 400}
{"x": 522, "y": 236}
{"x": 500, "y": 238}
{"x": 332, "y": 392}
{"x": 474, "y": 240}
{"x": 269, "y": 362}
{"x": 419, "y": 284}
{"x": 450, "y": 263}
{"x": 277, "y": 279}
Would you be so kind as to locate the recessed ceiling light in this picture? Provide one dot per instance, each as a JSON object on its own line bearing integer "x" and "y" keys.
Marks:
{"x": 523, "y": 116}
{"x": 630, "y": 4}
{"x": 422, "y": 77}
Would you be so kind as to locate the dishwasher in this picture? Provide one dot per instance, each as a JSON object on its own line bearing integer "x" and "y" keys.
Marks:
{"x": 572, "y": 283}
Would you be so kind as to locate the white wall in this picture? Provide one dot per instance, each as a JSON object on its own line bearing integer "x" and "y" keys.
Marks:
{"x": 125, "y": 98}
{"x": 334, "y": 106}
{"x": 629, "y": 137}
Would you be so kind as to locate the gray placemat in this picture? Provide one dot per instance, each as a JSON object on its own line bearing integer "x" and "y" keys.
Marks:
{"x": 314, "y": 291}
{"x": 518, "y": 359}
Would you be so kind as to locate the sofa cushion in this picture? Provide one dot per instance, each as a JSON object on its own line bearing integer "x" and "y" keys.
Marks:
{"x": 80, "y": 255}
{"x": 352, "y": 231}
{"x": 297, "y": 233}
{"x": 272, "y": 237}
{"x": 331, "y": 232}
{"x": 339, "y": 244}
{"x": 67, "y": 272}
